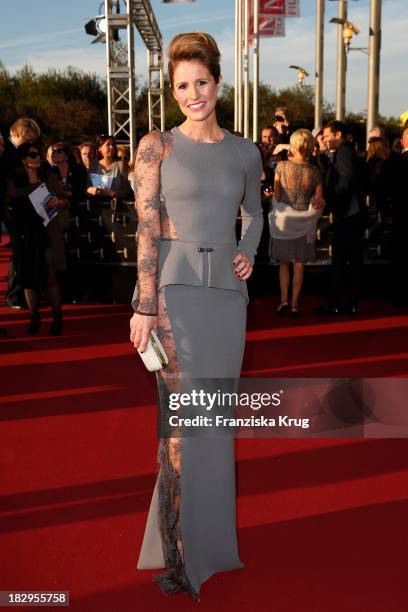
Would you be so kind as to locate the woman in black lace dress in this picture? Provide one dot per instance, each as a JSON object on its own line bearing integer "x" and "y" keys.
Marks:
{"x": 298, "y": 198}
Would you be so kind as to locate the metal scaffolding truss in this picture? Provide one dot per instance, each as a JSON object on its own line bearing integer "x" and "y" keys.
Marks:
{"x": 120, "y": 60}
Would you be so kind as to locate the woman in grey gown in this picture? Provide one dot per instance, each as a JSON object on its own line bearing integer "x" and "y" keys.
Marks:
{"x": 192, "y": 182}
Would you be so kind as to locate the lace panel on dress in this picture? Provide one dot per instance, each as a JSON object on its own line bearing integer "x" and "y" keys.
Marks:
{"x": 298, "y": 183}
{"x": 168, "y": 231}
{"x": 154, "y": 225}
{"x": 170, "y": 460}
{"x": 151, "y": 213}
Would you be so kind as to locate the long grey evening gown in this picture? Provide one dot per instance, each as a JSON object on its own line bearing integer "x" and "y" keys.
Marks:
{"x": 188, "y": 197}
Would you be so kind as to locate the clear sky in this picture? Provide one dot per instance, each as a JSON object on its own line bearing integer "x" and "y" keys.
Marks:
{"x": 49, "y": 33}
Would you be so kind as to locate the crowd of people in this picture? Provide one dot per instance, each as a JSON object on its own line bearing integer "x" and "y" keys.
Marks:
{"x": 65, "y": 174}
{"x": 303, "y": 172}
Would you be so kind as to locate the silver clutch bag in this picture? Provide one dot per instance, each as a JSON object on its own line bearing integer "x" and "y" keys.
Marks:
{"x": 154, "y": 357}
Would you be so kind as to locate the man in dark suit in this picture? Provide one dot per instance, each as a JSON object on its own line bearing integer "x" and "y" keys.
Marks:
{"x": 23, "y": 130}
{"x": 342, "y": 194}
{"x": 400, "y": 225}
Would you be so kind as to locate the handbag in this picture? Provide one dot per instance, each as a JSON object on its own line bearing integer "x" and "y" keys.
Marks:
{"x": 154, "y": 356}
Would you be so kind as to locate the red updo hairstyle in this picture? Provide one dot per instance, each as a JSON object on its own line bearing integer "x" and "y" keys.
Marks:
{"x": 194, "y": 46}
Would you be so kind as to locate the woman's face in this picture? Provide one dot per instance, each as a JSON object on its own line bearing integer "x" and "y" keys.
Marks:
{"x": 108, "y": 149}
{"x": 123, "y": 155}
{"x": 33, "y": 160}
{"x": 195, "y": 90}
{"x": 321, "y": 142}
{"x": 58, "y": 154}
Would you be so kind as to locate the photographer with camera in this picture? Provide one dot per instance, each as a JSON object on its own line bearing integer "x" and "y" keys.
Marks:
{"x": 281, "y": 124}
{"x": 269, "y": 140}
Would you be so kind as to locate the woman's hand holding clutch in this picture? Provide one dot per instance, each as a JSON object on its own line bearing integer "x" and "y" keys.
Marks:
{"x": 242, "y": 265}
{"x": 140, "y": 328}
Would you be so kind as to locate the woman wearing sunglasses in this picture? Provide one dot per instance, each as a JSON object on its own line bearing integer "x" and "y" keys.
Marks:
{"x": 71, "y": 175}
{"x": 39, "y": 250}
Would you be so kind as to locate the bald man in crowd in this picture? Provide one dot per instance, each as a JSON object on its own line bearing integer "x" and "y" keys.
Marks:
{"x": 376, "y": 132}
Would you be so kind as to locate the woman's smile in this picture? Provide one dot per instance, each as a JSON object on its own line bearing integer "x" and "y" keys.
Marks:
{"x": 196, "y": 106}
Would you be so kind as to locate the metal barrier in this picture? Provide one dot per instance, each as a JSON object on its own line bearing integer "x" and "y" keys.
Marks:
{"x": 104, "y": 232}
{"x": 377, "y": 238}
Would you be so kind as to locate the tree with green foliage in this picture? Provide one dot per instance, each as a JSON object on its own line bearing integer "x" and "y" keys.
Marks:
{"x": 68, "y": 105}
{"x": 71, "y": 105}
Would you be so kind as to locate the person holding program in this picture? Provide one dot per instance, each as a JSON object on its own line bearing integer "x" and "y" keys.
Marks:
{"x": 39, "y": 249}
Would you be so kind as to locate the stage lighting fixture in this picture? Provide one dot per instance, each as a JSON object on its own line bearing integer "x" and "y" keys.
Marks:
{"x": 97, "y": 26}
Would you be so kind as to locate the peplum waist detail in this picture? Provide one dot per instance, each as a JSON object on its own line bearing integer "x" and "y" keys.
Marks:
{"x": 198, "y": 264}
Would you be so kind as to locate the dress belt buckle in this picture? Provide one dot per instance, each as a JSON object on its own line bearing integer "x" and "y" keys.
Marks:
{"x": 202, "y": 249}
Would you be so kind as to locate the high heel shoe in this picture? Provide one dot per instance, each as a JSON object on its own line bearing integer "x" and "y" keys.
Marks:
{"x": 294, "y": 312}
{"x": 56, "y": 325}
{"x": 34, "y": 325}
{"x": 282, "y": 308}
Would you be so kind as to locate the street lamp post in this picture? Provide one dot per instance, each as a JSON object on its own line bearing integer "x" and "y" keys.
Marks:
{"x": 341, "y": 64}
{"x": 256, "y": 73}
{"x": 238, "y": 61}
{"x": 345, "y": 34}
{"x": 318, "y": 120}
{"x": 246, "y": 68}
{"x": 237, "y": 51}
{"x": 374, "y": 46}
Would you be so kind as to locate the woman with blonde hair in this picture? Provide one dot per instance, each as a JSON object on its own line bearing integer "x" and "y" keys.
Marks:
{"x": 297, "y": 205}
{"x": 191, "y": 183}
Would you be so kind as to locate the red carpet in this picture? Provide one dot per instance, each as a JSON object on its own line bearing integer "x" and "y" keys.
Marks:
{"x": 322, "y": 524}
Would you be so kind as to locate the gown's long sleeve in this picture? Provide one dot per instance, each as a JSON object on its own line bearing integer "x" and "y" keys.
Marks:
{"x": 251, "y": 208}
{"x": 147, "y": 172}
